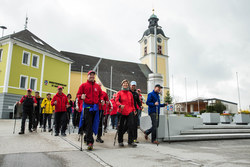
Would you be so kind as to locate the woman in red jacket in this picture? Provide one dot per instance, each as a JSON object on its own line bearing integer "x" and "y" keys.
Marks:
{"x": 113, "y": 112}
{"x": 125, "y": 102}
{"x": 61, "y": 104}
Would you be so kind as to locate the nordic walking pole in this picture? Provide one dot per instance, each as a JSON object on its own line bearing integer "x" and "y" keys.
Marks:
{"x": 14, "y": 113}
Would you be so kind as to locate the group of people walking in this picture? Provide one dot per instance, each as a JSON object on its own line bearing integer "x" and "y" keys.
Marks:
{"x": 91, "y": 111}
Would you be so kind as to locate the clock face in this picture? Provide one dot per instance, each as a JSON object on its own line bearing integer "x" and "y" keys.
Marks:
{"x": 159, "y": 40}
{"x": 145, "y": 41}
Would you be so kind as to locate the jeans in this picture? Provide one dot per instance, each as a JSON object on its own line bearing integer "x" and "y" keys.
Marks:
{"x": 114, "y": 121}
{"x": 47, "y": 116}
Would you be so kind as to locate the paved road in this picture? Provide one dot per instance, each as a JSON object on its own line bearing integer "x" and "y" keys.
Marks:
{"x": 42, "y": 149}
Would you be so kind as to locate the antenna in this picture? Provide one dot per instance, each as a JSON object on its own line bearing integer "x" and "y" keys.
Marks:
{"x": 26, "y": 22}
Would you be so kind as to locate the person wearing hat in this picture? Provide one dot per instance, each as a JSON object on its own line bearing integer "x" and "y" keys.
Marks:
{"x": 113, "y": 112}
{"x": 140, "y": 108}
{"x": 153, "y": 102}
{"x": 126, "y": 111}
{"x": 38, "y": 116}
{"x": 47, "y": 111}
{"x": 29, "y": 102}
{"x": 137, "y": 104}
{"x": 102, "y": 114}
{"x": 89, "y": 96}
{"x": 61, "y": 104}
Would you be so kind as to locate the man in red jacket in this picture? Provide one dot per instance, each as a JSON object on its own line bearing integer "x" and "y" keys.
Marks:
{"x": 89, "y": 95}
{"x": 61, "y": 104}
{"x": 102, "y": 112}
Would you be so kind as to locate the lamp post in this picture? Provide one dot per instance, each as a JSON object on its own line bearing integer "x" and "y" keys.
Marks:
{"x": 3, "y": 28}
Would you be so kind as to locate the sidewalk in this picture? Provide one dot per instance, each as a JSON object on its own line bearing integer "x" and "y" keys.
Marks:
{"x": 43, "y": 149}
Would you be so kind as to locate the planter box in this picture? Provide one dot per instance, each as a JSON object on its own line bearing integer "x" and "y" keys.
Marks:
{"x": 211, "y": 118}
{"x": 176, "y": 125}
{"x": 225, "y": 119}
{"x": 242, "y": 119}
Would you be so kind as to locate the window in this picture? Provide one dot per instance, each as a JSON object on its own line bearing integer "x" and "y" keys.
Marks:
{"x": 1, "y": 54}
{"x": 159, "y": 49}
{"x": 26, "y": 58}
{"x": 23, "y": 82}
{"x": 37, "y": 40}
{"x": 35, "y": 61}
{"x": 145, "y": 50}
{"x": 33, "y": 82}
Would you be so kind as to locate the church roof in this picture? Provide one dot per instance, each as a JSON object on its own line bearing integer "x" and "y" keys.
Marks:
{"x": 27, "y": 37}
{"x": 121, "y": 70}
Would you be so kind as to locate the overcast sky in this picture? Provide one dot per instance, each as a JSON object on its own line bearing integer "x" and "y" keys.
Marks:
{"x": 209, "y": 39}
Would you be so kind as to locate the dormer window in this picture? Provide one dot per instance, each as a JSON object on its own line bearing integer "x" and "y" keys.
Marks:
{"x": 37, "y": 40}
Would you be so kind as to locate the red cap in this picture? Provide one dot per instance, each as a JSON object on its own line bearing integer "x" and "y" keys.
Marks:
{"x": 30, "y": 90}
{"x": 139, "y": 90}
{"x": 59, "y": 87}
{"x": 91, "y": 71}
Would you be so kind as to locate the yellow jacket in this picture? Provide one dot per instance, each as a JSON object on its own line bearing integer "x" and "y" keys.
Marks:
{"x": 47, "y": 107}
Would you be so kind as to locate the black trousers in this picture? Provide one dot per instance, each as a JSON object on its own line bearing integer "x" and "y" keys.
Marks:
{"x": 155, "y": 124}
{"x": 135, "y": 125}
{"x": 45, "y": 118}
{"x": 88, "y": 125}
{"x": 36, "y": 119}
{"x": 29, "y": 113}
{"x": 60, "y": 122}
{"x": 100, "y": 124}
{"x": 40, "y": 118}
{"x": 125, "y": 124}
{"x": 106, "y": 117}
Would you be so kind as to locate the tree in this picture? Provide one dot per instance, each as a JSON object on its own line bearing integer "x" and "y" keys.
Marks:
{"x": 168, "y": 99}
{"x": 219, "y": 107}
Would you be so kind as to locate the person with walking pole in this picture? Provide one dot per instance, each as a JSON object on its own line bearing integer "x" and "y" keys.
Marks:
{"x": 89, "y": 96}
{"x": 153, "y": 102}
{"x": 126, "y": 111}
{"x": 61, "y": 104}
{"x": 137, "y": 104}
{"x": 47, "y": 111}
{"x": 14, "y": 113}
{"x": 29, "y": 102}
{"x": 102, "y": 110}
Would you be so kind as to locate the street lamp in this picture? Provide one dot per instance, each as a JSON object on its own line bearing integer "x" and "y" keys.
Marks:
{"x": 3, "y": 27}
{"x": 155, "y": 31}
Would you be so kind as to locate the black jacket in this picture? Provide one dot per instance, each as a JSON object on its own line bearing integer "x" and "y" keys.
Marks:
{"x": 137, "y": 100}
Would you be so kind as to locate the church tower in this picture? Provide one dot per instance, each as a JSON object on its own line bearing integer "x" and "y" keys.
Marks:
{"x": 147, "y": 50}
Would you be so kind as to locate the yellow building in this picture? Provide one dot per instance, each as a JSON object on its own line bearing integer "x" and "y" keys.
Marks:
{"x": 26, "y": 61}
{"x": 148, "y": 49}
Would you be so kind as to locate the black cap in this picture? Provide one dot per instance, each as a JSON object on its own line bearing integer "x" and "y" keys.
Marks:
{"x": 158, "y": 85}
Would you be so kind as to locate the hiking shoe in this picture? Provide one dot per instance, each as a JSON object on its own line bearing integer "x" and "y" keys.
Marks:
{"x": 90, "y": 146}
{"x": 156, "y": 142}
{"x": 136, "y": 141}
{"x": 44, "y": 130}
{"x": 34, "y": 129}
{"x": 146, "y": 136}
{"x": 50, "y": 130}
{"x": 121, "y": 144}
{"x": 57, "y": 134}
{"x": 21, "y": 133}
{"x": 63, "y": 134}
{"x": 105, "y": 131}
{"x": 99, "y": 140}
{"x": 30, "y": 130}
{"x": 132, "y": 144}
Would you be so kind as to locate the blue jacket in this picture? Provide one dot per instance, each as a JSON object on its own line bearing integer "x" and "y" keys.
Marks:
{"x": 152, "y": 98}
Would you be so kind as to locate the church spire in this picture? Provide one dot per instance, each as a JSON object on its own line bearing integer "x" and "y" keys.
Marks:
{"x": 153, "y": 20}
